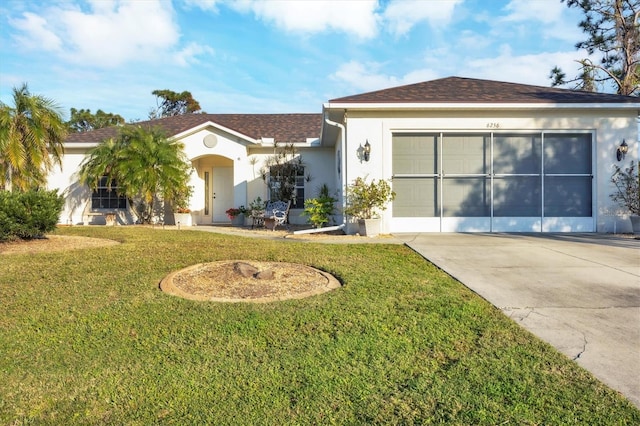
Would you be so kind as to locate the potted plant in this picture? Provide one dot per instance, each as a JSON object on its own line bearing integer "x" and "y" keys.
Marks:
{"x": 627, "y": 193}
{"x": 256, "y": 212}
{"x": 236, "y": 215}
{"x": 365, "y": 202}
{"x": 181, "y": 210}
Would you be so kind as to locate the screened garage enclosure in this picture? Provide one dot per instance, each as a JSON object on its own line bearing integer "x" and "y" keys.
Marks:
{"x": 493, "y": 182}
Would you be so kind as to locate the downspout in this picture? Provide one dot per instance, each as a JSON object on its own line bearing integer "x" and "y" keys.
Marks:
{"x": 343, "y": 165}
{"x": 343, "y": 175}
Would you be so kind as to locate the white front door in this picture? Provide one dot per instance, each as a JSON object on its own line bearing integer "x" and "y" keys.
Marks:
{"x": 222, "y": 193}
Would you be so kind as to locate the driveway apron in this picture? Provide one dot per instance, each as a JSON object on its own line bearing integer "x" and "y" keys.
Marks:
{"x": 578, "y": 292}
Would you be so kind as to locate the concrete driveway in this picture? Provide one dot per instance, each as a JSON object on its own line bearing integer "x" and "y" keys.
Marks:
{"x": 578, "y": 292}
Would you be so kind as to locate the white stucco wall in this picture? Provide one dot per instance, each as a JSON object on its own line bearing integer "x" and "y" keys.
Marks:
{"x": 246, "y": 157}
{"x": 76, "y": 196}
{"x": 608, "y": 126}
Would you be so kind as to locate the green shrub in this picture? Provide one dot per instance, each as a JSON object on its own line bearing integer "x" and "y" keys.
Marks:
{"x": 319, "y": 210}
{"x": 28, "y": 214}
{"x": 367, "y": 200}
{"x": 627, "y": 183}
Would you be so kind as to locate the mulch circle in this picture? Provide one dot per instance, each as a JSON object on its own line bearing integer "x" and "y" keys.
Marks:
{"x": 247, "y": 281}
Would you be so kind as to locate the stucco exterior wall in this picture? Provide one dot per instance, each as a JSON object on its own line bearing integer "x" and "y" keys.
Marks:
{"x": 244, "y": 157}
{"x": 608, "y": 126}
{"x": 64, "y": 180}
{"x": 331, "y": 163}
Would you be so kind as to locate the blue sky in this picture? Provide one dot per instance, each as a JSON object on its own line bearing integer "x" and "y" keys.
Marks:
{"x": 272, "y": 56}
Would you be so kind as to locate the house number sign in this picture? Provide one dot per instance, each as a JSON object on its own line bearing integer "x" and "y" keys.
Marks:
{"x": 493, "y": 125}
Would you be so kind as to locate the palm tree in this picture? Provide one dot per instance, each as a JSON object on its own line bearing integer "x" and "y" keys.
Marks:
{"x": 143, "y": 165}
{"x": 32, "y": 133}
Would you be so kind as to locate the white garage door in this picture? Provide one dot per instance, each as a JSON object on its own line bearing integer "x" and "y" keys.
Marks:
{"x": 493, "y": 182}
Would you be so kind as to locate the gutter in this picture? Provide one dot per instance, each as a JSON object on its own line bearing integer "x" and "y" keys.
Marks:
{"x": 343, "y": 175}
{"x": 316, "y": 230}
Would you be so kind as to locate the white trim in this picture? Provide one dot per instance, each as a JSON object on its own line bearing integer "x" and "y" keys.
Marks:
{"x": 568, "y": 224}
{"x": 80, "y": 145}
{"x": 206, "y": 124}
{"x": 474, "y": 106}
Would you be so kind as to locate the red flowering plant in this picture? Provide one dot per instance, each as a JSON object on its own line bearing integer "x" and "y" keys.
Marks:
{"x": 233, "y": 212}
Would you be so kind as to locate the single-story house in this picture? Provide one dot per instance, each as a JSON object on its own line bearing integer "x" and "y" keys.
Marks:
{"x": 462, "y": 155}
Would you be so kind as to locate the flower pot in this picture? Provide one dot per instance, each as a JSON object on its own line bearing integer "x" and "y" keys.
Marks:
{"x": 237, "y": 220}
{"x": 183, "y": 219}
{"x": 369, "y": 227}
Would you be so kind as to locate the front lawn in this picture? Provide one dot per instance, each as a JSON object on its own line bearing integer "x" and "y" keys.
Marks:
{"x": 88, "y": 338}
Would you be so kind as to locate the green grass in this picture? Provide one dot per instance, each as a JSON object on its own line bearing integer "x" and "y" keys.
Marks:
{"x": 86, "y": 337}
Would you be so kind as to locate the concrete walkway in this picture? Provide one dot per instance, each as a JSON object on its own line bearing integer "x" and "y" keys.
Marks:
{"x": 578, "y": 292}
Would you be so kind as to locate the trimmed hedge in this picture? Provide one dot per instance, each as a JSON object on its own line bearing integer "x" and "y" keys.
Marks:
{"x": 28, "y": 215}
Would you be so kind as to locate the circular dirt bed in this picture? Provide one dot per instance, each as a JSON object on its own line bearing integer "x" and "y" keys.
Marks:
{"x": 247, "y": 281}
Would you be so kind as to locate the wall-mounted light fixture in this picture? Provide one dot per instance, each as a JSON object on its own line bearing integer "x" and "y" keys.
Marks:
{"x": 622, "y": 150}
{"x": 366, "y": 151}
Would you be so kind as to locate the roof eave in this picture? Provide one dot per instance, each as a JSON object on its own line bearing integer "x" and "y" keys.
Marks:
{"x": 475, "y": 106}
{"x": 80, "y": 145}
{"x": 206, "y": 124}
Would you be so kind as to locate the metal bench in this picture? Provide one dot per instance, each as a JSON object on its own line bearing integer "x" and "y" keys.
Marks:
{"x": 276, "y": 213}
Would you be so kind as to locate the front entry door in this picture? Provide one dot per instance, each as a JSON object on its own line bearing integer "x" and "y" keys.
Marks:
{"x": 222, "y": 193}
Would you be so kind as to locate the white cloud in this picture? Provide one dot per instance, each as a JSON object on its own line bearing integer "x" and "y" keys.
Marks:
{"x": 532, "y": 69}
{"x": 189, "y": 54}
{"x": 365, "y": 77}
{"x": 526, "y": 69}
{"x": 528, "y": 10}
{"x": 361, "y": 77}
{"x": 356, "y": 17}
{"x": 552, "y": 15}
{"x": 208, "y": 5}
{"x": 104, "y": 34}
{"x": 120, "y": 31}
{"x": 469, "y": 41}
{"x": 36, "y": 35}
{"x": 402, "y": 15}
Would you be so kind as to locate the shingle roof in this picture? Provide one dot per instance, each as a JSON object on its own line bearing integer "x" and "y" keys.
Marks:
{"x": 282, "y": 127}
{"x": 469, "y": 90}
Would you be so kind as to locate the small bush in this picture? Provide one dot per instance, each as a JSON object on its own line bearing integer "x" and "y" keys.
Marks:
{"x": 627, "y": 183}
{"x": 367, "y": 200}
{"x": 28, "y": 215}
{"x": 319, "y": 210}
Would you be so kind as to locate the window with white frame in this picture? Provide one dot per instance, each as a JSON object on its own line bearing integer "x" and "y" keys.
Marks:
{"x": 286, "y": 182}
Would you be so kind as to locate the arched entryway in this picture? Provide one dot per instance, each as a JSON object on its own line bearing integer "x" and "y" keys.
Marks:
{"x": 215, "y": 191}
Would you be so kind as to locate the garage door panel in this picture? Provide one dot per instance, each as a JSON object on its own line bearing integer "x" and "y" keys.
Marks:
{"x": 465, "y": 154}
{"x": 415, "y": 197}
{"x": 466, "y": 197}
{"x": 415, "y": 154}
{"x": 517, "y": 196}
{"x": 567, "y": 196}
{"x": 517, "y": 154}
{"x": 567, "y": 153}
